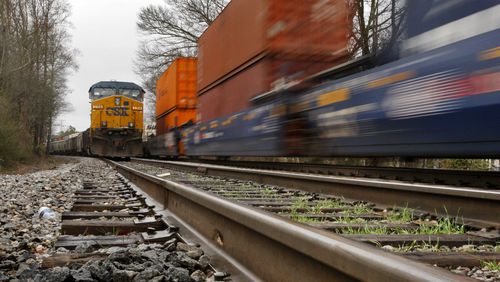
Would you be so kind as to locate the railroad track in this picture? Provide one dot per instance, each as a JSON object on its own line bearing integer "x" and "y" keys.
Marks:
{"x": 441, "y": 200}
{"x": 254, "y": 223}
{"x": 469, "y": 178}
{"x": 111, "y": 233}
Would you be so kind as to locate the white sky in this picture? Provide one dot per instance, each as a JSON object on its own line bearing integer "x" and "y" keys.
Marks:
{"x": 105, "y": 33}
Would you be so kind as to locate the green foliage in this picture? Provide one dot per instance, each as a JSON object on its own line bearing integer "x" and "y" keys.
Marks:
{"x": 67, "y": 132}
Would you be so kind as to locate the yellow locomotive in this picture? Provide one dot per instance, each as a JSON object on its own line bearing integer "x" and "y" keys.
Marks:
{"x": 116, "y": 120}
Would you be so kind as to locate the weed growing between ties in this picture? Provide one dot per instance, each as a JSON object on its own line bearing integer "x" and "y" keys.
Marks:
{"x": 377, "y": 230}
{"x": 443, "y": 225}
{"x": 491, "y": 265}
{"x": 269, "y": 192}
{"x": 301, "y": 204}
{"x": 328, "y": 204}
{"x": 360, "y": 208}
{"x": 400, "y": 215}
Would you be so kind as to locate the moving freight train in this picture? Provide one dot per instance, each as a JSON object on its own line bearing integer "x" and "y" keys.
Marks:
{"x": 116, "y": 123}
{"x": 439, "y": 98}
{"x": 267, "y": 90}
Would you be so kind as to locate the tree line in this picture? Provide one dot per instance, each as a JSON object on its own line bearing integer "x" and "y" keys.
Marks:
{"x": 35, "y": 60}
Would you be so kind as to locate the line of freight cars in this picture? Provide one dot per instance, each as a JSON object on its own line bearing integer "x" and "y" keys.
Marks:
{"x": 438, "y": 98}
{"x": 116, "y": 123}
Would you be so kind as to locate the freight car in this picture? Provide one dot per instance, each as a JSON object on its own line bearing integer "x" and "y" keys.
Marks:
{"x": 175, "y": 107}
{"x": 440, "y": 98}
{"x": 68, "y": 145}
{"x": 116, "y": 123}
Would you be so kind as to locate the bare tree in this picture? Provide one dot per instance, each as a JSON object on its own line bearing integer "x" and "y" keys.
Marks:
{"x": 172, "y": 31}
{"x": 35, "y": 59}
{"x": 377, "y": 25}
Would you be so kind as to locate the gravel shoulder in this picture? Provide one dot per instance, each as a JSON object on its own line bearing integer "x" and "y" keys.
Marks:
{"x": 39, "y": 164}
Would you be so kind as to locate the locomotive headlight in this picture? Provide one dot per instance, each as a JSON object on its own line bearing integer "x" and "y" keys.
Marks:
{"x": 131, "y": 124}
{"x": 104, "y": 123}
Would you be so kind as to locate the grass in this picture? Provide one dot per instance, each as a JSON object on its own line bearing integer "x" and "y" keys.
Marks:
{"x": 349, "y": 219}
{"x": 422, "y": 246}
{"x": 300, "y": 203}
{"x": 269, "y": 192}
{"x": 445, "y": 225}
{"x": 400, "y": 215}
{"x": 365, "y": 230}
{"x": 296, "y": 216}
{"x": 360, "y": 208}
{"x": 492, "y": 265}
{"x": 327, "y": 204}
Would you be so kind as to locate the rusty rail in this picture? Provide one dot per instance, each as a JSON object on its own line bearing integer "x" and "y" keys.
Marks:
{"x": 277, "y": 249}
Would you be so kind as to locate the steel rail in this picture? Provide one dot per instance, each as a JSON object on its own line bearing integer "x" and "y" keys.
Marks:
{"x": 471, "y": 204}
{"x": 472, "y": 178}
{"x": 275, "y": 248}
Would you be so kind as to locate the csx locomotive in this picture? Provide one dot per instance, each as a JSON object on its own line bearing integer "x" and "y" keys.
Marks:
{"x": 116, "y": 123}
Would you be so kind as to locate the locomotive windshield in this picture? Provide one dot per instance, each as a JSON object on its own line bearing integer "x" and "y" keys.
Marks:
{"x": 103, "y": 92}
{"x": 132, "y": 93}
{"x": 108, "y": 88}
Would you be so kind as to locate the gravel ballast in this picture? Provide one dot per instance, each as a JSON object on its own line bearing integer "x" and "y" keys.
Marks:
{"x": 26, "y": 239}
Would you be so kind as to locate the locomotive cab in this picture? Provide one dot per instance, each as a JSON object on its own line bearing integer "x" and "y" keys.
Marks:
{"x": 116, "y": 119}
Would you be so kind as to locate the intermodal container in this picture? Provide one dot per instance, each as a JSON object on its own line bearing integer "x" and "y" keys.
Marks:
{"x": 173, "y": 119}
{"x": 176, "y": 88}
{"x": 234, "y": 94}
{"x": 294, "y": 30}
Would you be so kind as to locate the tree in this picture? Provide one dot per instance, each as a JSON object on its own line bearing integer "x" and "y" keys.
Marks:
{"x": 172, "y": 30}
{"x": 377, "y": 25}
{"x": 35, "y": 59}
{"x": 66, "y": 132}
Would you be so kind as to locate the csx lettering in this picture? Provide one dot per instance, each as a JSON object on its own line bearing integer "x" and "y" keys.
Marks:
{"x": 117, "y": 111}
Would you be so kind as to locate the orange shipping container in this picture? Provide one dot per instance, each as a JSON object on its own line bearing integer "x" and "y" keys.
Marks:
{"x": 246, "y": 31}
{"x": 174, "y": 119}
{"x": 176, "y": 88}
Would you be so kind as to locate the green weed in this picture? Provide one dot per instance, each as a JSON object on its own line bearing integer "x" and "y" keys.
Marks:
{"x": 491, "y": 265}
{"x": 400, "y": 215}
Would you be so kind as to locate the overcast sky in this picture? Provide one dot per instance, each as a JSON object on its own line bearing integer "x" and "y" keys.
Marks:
{"x": 105, "y": 33}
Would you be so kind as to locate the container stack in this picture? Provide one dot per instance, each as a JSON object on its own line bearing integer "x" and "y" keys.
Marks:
{"x": 176, "y": 95}
{"x": 255, "y": 46}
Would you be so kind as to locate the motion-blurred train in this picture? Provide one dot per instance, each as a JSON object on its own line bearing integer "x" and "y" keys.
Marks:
{"x": 435, "y": 94}
{"x": 438, "y": 98}
{"x": 116, "y": 123}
